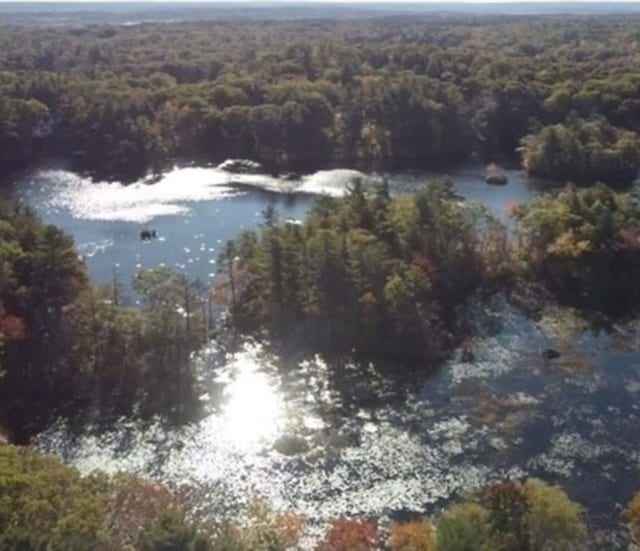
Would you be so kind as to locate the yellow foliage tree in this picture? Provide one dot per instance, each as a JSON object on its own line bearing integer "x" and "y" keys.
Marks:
{"x": 412, "y": 536}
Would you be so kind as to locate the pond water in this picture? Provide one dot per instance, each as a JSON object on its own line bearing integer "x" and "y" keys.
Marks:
{"x": 367, "y": 439}
{"x": 195, "y": 210}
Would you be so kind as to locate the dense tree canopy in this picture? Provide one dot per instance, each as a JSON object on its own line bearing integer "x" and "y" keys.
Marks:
{"x": 46, "y": 505}
{"x": 390, "y": 276}
{"x": 584, "y": 245}
{"x": 583, "y": 151}
{"x": 397, "y": 91}
{"x": 67, "y": 347}
{"x": 379, "y": 274}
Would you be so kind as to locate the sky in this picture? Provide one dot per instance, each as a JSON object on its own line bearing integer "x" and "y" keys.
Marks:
{"x": 389, "y": 2}
{"x": 338, "y": 1}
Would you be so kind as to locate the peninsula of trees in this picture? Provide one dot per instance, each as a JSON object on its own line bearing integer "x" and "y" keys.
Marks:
{"x": 395, "y": 92}
{"x": 390, "y": 276}
{"x": 370, "y": 273}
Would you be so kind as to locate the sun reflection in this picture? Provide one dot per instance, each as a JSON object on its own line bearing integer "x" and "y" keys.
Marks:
{"x": 253, "y": 412}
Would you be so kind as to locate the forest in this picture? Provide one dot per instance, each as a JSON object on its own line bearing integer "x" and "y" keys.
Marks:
{"x": 368, "y": 274}
{"x": 378, "y": 275}
{"x": 559, "y": 95}
{"x": 371, "y": 274}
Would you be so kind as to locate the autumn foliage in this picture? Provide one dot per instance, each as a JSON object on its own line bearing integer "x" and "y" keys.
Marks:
{"x": 632, "y": 516}
{"x": 412, "y": 536}
{"x": 346, "y": 534}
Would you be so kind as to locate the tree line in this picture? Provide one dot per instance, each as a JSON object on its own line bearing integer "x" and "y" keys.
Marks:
{"x": 395, "y": 92}
{"x": 46, "y": 505}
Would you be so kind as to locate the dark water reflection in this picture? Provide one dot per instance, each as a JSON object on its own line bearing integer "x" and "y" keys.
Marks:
{"x": 359, "y": 439}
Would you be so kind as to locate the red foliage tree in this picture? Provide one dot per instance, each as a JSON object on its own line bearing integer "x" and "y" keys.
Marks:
{"x": 350, "y": 535}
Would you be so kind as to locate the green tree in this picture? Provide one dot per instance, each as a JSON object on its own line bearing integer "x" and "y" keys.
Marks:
{"x": 172, "y": 532}
{"x": 464, "y": 527}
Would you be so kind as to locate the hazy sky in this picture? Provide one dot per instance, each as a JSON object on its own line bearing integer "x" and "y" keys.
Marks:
{"x": 343, "y": 1}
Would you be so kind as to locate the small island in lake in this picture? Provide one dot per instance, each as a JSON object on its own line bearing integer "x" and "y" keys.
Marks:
{"x": 495, "y": 175}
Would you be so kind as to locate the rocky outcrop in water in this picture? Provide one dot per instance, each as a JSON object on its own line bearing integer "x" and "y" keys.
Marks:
{"x": 240, "y": 166}
{"x": 550, "y": 354}
{"x": 495, "y": 175}
{"x": 291, "y": 445}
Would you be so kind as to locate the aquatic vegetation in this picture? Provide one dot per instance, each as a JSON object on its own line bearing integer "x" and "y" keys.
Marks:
{"x": 561, "y": 322}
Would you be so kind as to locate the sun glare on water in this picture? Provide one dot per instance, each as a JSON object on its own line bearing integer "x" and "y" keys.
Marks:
{"x": 253, "y": 410}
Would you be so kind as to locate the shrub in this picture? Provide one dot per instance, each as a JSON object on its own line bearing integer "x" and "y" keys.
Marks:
{"x": 172, "y": 532}
{"x": 349, "y": 535}
{"x": 507, "y": 505}
{"x": 411, "y": 536}
{"x": 270, "y": 531}
{"x": 47, "y": 505}
{"x": 463, "y": 527}
{"x": 134, "y": 504}
{"x": 582, "y": 244}
{"x": 554, "y": 521}
{"x": 533, "y": 516}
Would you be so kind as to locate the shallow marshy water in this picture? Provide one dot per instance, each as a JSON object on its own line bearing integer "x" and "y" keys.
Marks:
{"x": 325, "y": 436}
{"x": 371, "y": 442}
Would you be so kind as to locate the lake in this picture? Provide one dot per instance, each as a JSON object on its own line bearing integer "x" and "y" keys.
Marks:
{"x": 370, "y": 440}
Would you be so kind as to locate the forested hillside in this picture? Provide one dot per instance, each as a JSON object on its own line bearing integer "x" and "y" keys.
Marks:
{"x": 399, "y": 92}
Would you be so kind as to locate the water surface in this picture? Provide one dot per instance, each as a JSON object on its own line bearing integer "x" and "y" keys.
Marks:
{"x": 195, "y": 210}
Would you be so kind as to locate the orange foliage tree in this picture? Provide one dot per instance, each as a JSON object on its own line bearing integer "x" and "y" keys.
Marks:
{"x": 411, "y": 536}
